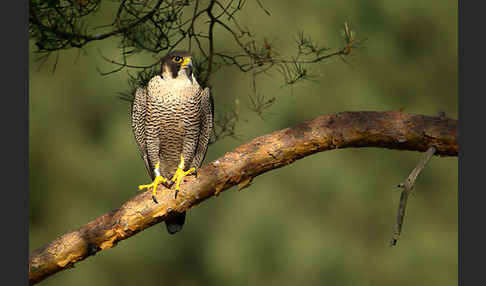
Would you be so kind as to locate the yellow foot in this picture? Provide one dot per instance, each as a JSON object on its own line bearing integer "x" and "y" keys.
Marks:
{"x": 157, "y": 181}
{"x": 180, "y": 174}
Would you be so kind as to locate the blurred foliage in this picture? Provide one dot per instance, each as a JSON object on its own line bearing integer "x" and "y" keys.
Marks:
{"x": 325, "y": 219}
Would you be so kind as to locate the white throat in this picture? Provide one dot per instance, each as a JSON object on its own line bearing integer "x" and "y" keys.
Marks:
{"x": 182, "y": 81}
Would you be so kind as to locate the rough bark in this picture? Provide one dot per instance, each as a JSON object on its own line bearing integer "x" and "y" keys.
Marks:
{"x": 390, "y": 129}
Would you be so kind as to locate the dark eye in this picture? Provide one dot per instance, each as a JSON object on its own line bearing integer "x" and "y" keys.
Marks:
{"x": 177, "y": 59}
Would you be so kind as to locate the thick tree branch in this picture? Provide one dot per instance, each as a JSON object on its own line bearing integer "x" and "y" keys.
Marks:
{"x": 391, "y": 129}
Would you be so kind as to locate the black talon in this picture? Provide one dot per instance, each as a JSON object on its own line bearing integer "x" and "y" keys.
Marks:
{"x": 176, "y": 191}
{"x": 155, "y": 200}
{"x": 195, "y": 173}
{"x": 168, "y": 184}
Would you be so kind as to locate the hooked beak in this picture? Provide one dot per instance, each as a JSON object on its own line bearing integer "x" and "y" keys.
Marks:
{"x": 187, "y": 66}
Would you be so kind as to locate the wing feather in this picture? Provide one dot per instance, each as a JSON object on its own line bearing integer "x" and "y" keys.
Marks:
{"x": 207, "y": 121}
{"x": 139, "y": 110}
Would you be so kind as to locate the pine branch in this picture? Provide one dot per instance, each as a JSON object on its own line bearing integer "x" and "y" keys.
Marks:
{"x": 390, "y": 129}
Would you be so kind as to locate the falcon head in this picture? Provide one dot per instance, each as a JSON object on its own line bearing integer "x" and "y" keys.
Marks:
{"x": 177, "y": 63}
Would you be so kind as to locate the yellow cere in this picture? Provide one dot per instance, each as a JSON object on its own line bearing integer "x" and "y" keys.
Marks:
{"x": 186, "y": 61}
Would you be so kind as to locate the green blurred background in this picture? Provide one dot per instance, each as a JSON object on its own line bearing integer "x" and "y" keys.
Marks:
{"x": 325, "y": 219}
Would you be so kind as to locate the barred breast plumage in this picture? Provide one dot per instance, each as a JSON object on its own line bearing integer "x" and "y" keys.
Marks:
{"x": 173, "y": 123}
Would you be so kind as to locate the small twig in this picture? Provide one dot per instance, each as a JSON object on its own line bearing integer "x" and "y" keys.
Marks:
{"x": 263, "y": 8}
{"x": 407, "y": 189}
{"x": 211, "y": 42}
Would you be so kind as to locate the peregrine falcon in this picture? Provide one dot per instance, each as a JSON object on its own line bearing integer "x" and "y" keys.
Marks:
{"x": 172, "y": 119}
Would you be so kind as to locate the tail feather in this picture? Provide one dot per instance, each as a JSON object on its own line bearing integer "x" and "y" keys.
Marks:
{"x": 174, "y": 223}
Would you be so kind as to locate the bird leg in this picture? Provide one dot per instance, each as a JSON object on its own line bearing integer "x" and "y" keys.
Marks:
{"x": 158, "y": 180}
{"x": 180, "y": 174}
